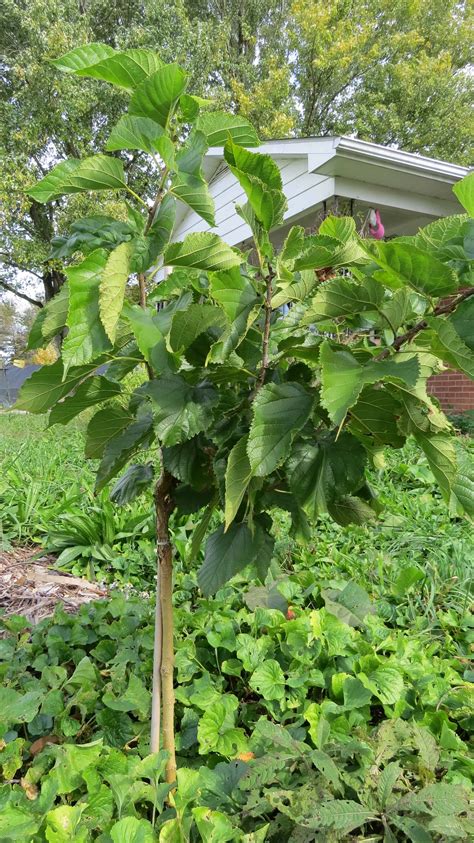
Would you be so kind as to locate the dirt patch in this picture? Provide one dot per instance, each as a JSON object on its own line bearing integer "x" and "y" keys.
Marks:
{"x": 31, "y": 586}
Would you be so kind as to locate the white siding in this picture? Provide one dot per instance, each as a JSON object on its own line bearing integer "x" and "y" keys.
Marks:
{"x": 302, "y": 190}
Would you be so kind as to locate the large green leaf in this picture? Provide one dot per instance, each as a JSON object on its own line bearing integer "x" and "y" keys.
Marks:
{"x": 237, "y": 478}
{"x": 374, "y": 417}
{"x": 157, "y": 96}
{"x": 463, "y": 321}
{"x": 92, "y": 391}
{"x": 297, "y": 291}
{"x": 202, "y": 251}
{"x": 345, "y": 297}
{"x": 217, "y": 731}
{"x": 48, "y": 385}
{"x": 447, "y": 344}
{"x": 112, "y": 287}
{"x": 89, "y": 233}
{"x": 279, "y": 412}
{"x": 188, "y": 184}
{"x": 136, "y": 480}
{"x": 194, "y": 192}
{"x": 150, "y": 340}
{"x": 86, "y": 338}
{"x": 462, "y": 498}
{"x": 188, "y": 324}
{"x": 226, "y": 553}
{"x": 83, "y": 57}
{"x": 238, "y": 299}
{"x": 421, "y": 270}
{"x": 343, "y": 377}
{"x": 126, "y": 69}
{"x": 103, "y": 427}
{"x": 464, "y": 190}
{"x": 134, "y": 133}
{"x": 218, "y": 126}
{"x": 321, "y": 251}
{"x": 132, "y": 830}
{"x": 350, "y": 510}
{"x": 318, "y": 474}
{"x": 260, "y": 178}
{"x": 50, "y": 320}
{"x": 342, "y": 228}
{"x": 99, "y": 172}
{"x": 147, "y": 248}
{"x": 181, "y": 409}
{"x": 440, "y": 451}
{"x": 120, "y": 448}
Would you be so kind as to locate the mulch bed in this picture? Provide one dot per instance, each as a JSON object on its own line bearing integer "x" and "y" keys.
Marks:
{"x": 31, "y": 586}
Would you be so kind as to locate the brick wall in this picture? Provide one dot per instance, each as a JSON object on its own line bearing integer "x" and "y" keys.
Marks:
{"x": 453, "y": 390}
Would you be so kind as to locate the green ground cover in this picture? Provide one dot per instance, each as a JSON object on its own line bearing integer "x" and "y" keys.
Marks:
{"x": 333, "y": 702}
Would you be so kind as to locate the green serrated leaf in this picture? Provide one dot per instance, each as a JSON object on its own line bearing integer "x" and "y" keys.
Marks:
{"x": 218, "y": 126}
{"x": 260, "y": 178}
{"x": 112, "y": 287}
{"x": 279, "y": 412}
{"x": 157, "y": 96}
{"x": 268, "y": 680}
{"x": 181, "y": 410}
{"x": 92, "y": 391}
{"x": 237, "y": 477}
{"x": 226, "y": 554}
{"x": 84, "y": 56}
{"x": 86, "y": 338}
{"x": 134, "y": 133}
{"x": 120, "y": 448}
{"x": 344, "y": 297}
{"x": 464, "y": 191}
{"x": 202, "y": 251}
{"x": 413, "y": 266}
{"x": 189, "y": 324}
{"x": 126, "y": 68}
{"x": 447, "y": 344}
{"x": 343, "y": 377}
{"x": 99, "y": 172}
{"x": 103, "y": 427}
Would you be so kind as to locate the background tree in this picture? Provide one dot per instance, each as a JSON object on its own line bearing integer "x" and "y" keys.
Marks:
{"x": 393, "y": 72}
{"x": 45, "y": 117}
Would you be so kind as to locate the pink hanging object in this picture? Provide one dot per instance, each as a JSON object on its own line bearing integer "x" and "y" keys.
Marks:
{"x": 376, "y": 228}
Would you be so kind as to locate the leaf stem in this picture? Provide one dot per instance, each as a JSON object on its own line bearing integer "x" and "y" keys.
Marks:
{"x": 137, "y": 197}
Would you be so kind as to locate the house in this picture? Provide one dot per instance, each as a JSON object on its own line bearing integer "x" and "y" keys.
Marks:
{"x": 343, "y": 175}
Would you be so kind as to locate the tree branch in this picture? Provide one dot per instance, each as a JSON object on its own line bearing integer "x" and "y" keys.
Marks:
{"x": 443, "y": 308}
{"x": 23, "y": 296}
{"x": 266, "y": 328}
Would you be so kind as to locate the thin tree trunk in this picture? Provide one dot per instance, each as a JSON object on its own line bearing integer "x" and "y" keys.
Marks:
{"x": 156, "y": 682}
{"x": 163, "y": 507}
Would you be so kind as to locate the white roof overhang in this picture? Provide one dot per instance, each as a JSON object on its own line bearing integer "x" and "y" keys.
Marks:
{"x": 369, "y": 173}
